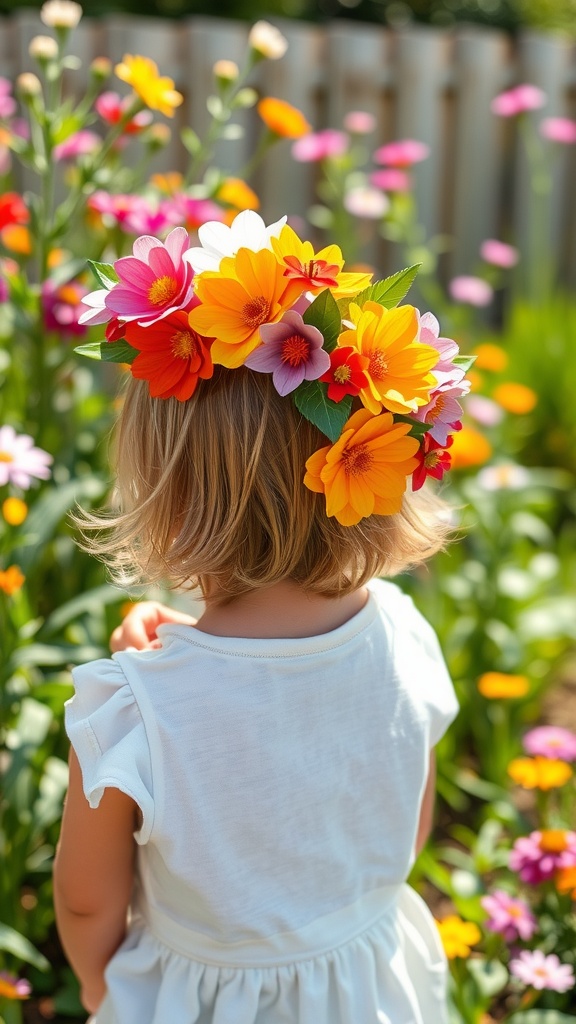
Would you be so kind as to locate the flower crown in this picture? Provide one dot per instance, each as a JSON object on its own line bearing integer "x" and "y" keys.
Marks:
{"x": 260, "y": 297}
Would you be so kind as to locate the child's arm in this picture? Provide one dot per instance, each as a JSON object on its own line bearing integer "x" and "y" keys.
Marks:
{"x": 93, "y": 878}
{"x": 138, "y": 628}
{"x": 427, "y": 806}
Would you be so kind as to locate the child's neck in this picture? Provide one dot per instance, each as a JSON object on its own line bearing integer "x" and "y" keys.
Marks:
{"x": 281, "y": 611}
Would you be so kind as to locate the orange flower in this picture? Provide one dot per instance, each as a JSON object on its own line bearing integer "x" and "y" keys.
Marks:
{"x": 282, "y": 118}
{"x": 399, "y": 366}
{"x": 565, "y": 881}
{"x": 169, "y": 184}
{"x": 247, "y": 290}
{"x": 490, "y": 357}
{"x": 14, "y": 511}
{"x": 469, "y": 448}
{"x": 16, "y": 238}
{"x": 237, "y": 193}
{"x": 316, "y": 271}
{"x": 157, "y": 93}
{"x": 172, "y": 356}
{"x": 539, "y": 772}
{"x": 515, "y": 398}
{"x": 495, "y": 685}
{"x": 365, "y": 471}
{"x": 11, "y": 580}
{"x": 458, "y": 936}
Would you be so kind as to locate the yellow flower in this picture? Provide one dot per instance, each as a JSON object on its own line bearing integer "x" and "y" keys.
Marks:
{"x": 469, "y": 448}
{"x": 490, "y": 357}
{"x": 282, "y": 118}
{"x": 495, "y": 685}
{"x": 11, "y": 580}
{"x": 247, "y": 290}
{"x": 399, "y": 366}
{"x": 157, "y": 93}
{"x": 237, "y": 193}
{"x": 169, "y": 183}
{"x": 458, "y": 936}
{"x": 316, "y": 271}
{"x": 14, "y": 511}
{"x": 365, "y": 471}
{"x": 539, "y": 772}
{"x": 516, "y": 398}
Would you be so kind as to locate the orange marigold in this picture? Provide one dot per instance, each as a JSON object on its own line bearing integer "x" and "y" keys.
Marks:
{"x": 490, "y": 357}
{"x": 515, "y": 398}
{"x": 539, "y": 772}
{"x": 495, "y": 685}
{"x": 11, "y": 580}
{"x": 469, "y": 448}
{"x": 282, "y": 118}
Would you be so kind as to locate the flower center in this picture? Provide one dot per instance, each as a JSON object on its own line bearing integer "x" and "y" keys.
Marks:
{"x": 163, "y": 290}
{"x": 514, "y": 911}
{"x": 295, "y": 350}
{"x": 183, "y": 344}
{"x": 357, "y": 460}
{"x": 342, "y": 373}
{"x": 377, "y": 367}
{"x": 6, "y": 457}
{"x": 436, "y": 412}
{"x": 431, "y": 460}
{"x": 256, "y": 312}
{"x": 553, "y": 840}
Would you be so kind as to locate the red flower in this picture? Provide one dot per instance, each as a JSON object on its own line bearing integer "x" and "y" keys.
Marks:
{"x": 346, "y": 374}
{"x": 13, "y": 210}
{"x": 314, "y": 274}
{"x": 172, "y": 356}
{"x": 115, "y": 329}
{"x": 433, "y": 460}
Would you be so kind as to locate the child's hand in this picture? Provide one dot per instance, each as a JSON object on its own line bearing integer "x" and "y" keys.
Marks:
{"x": 138, "y": 629}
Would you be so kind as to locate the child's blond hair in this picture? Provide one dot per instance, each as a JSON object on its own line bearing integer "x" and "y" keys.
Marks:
{"x": 211, "y": 494}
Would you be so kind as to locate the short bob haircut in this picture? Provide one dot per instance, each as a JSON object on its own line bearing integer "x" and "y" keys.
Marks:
{"x": 211, "y": 495}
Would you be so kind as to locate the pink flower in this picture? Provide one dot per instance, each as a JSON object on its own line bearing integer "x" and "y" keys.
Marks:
{"x": 112, "y": 108}
{"x": 498, "y": 253}
{"x": 76, "y": 145}
{"x": 291, "y": 351}
{"x": 320, "y": 145}
{"x": 445, "y": 371}
{"x": 154, "y": 281}
{"x": 7, "y": 101}
{"x": 518, "y": 100}
{"x": 14, "y": 988}
{"x": 538, "y": 856}
{"x": 144, "y": 219}
{"x": 443, "y": 411}
{"x": 551, "y": 741}
{"x": 20, "y": 461}
{"x": 391, "y": 179}
{"x": 62, "y": 306}
{"x": 366, "y": 202}
{"x": 114, "y": 209}
{"x": 539, "y": 971}
{"x": 509, "y": 917}
{"x": 559, "y": 129}
{"x": 484, "y": 410}
{"x": 192, "y": 212}
{"x": 473, "y": 290}
{"x": 403, "y": 153}
{"x": 4, "y": 290}
{"x": 359, "y": 122}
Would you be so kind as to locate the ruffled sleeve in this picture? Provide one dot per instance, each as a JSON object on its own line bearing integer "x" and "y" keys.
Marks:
{"x": 106, "y": 730}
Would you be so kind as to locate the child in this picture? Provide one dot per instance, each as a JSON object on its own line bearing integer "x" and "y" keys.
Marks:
{"x": 249, "y": 791}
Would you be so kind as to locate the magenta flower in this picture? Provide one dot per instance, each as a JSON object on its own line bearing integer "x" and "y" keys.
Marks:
{"x": 559, "y": 129}
{"x": 320, "y": 145}
{"x": 78, "y": 144}
{"x": 539, "y": 856}
{"x": 402, "y": 153}
{"x": 155, "y": 281}
{"x": 498, "y": 253}
{"x": 509, "y": 917}
{"x": 7, "y": 101}
{"x": 146, "y": 219}
{"x": 484, "y": 410}
{"x": 359, "y": 122}
{"x": 20, "y": 461}
{"x": 114, "y": 210}
{"x": 391, "y": 179}
{"x": 291, "y": 351}
{"x": 62, "y": 307}
{"x": 518, "y": 101}
{"x": 367, "y": 203}
{"x": 4, "y": 290}
{"x": 539, "y": 971}
{"x": 192, "y": 212}
{"x": 112, "y": 108}
{"x": 551, "y": 741}
{"x": 473, "y": 290}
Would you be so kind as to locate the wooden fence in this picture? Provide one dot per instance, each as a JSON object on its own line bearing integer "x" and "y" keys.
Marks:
{"x": 421, "y": 83}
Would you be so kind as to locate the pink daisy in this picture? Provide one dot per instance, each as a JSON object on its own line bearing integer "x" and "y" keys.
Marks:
{"x": 539, "y": 856}
{"x": 20, "y": 461}
{"x": 320, "y": 145}
{"x": 551, "y": 741}
{"x": 509, "y": 917}
{"x": 155, "y": 281}
{"x": 539, "y": 971}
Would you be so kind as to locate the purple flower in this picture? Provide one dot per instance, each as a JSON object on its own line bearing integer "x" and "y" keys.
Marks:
{"x": 539, "y": 856}
{"x": 473, "y": 290}
{"x": 499, "y": 254}
{"x": 509, "y": 917}
{"x": 539, "y": 971}
{"x": 20, "y": 461}
{"x": 291, "y": 351}
{"x": 551, "y": 741}
{"x": 320, "y": 145}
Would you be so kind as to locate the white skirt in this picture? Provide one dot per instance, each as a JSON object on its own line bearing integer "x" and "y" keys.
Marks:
{"x": 379, "y": 961}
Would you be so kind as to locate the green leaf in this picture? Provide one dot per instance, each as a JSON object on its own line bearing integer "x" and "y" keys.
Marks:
{"x": 311, "y": 399}
{"x": 191, "y": 141}
{"x": 418, "y": 429}
{"x": 105, "y": 273}
{"x": 89, "y": 602}
{"x": 91, "y": 349}
{"x": 490, "y": 975}
{"x": 324, "y": 314}
{"x": 108, "y": 351}
{"x": 13, "y": 942}
{"x": 392, "y": 290}
{"x": 464, "y": 362}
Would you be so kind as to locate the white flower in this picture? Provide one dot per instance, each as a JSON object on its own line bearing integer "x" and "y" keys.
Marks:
{"x": 267, "y": 40}
{"x": 61, "y": 13}
{"x": 366, "y": 202}
{"x": 506, "y": 476}
{"x": 20, "y": 461}
{"x": 98, "y": 313}
{"x": 28, "y": 84}
{"x": 247, "y": 231}
{"x": 227, "y": 70}
{"x": 43, "y": 48}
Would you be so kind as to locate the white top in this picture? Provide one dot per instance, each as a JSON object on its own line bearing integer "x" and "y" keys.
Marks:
{"x": 280, "y": 784}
